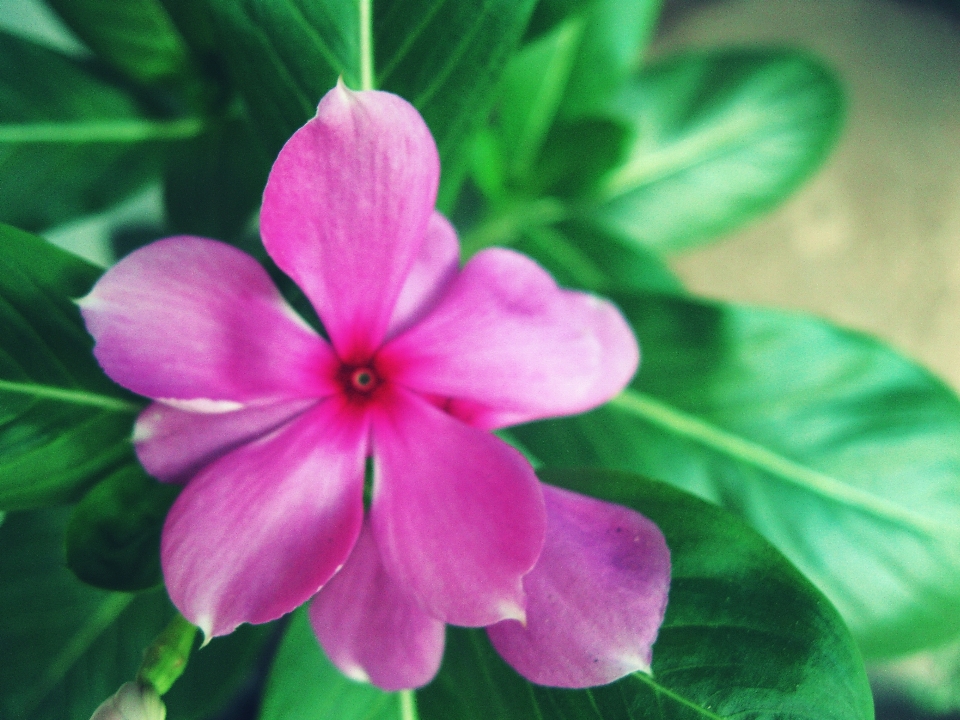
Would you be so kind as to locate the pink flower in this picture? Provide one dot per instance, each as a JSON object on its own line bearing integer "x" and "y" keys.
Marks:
{"x": 270, "y": 425}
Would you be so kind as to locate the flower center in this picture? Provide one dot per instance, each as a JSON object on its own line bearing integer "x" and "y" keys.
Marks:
{"x": 363, "y": 380}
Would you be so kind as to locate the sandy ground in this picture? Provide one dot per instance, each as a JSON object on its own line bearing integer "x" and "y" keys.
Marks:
{"x": 873, "y": 240}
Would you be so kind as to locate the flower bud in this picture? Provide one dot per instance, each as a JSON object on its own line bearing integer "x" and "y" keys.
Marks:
{"x": 132, "y": 701}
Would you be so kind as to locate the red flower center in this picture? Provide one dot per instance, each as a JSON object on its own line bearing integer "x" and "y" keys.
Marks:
{"x": 363, "y": 380}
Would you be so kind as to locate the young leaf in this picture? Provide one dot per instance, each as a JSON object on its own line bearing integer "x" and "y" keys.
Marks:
{"x": 66, "y": 646}
{"x": 745, "y": 635}
{"x": 845, "y": 455}
{"x": 135, "y": 36}
{"x": 70, "y": 143}
{"x": 304, "y": 684}
{"x": 63, "y": 424}
{"x": 113, "y": 539}
{"x": 444, "y": 56}
{"x": 720, "y": 138}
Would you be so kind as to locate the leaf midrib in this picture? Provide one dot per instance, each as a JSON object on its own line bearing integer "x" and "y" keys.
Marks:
{"x": 101, "y": 131}
{"x": 774, "y": 464}
{"x": 77, "y": 397}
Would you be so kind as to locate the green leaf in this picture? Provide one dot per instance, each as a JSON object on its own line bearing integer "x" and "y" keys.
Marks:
{"x": 580, "y": 255}
{"x": 842, "y": 453}
{"x": 720, "y": 138}
{"x": 70, "y": 143}
{"x": 66, "y": 646}
{"x": 303, "y": 684}
{"x": 745, "y": 635}
{"x": 214, "y": 186}
{"x": 113, "y": 539}
{"x": 444, "y": 56}
{"x": 63, "y": 424}
{"x": 135, "y": 36}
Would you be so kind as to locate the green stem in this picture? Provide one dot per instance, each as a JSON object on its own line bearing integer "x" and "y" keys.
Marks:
{"x": 408, "y": 705}
{"x": 366, "y": 45}
{"x": 102, "y": 131}
{"x": 166, "y": 658}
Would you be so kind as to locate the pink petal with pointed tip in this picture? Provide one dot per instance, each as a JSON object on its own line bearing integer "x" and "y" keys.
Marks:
{"x": 435, "y": 267}
{"x": 595, "y": 599}
{"x": 371, "y": 629}
{"x": 346, "y": 209}
{"x": 509, "y": 346}
{"x": 189, "y": 318}
{"x": 457, "y": 513}
{"x": 256, "y": 533}
{"x": 173, "y": 444}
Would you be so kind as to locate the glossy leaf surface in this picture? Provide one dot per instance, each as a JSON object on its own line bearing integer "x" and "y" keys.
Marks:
{"x": 70, "y": 143}
{"x": 719, "y": 138}
{"x": 304, "y": 684}
{"x": 63, "y": 424}
{"x": 745, "y": 635}
{"x": 842, "y": 453}
{"x": 444, "y": 56}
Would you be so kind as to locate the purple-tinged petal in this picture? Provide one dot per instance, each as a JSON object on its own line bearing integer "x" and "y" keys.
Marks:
{"x": 371, "y": 629}
{"x": 435, "y": 267}
{"x": 595, "y": 599}
{"x": 346, "y": 209}
{"x": 173, "y": 444}
{"x": 508, "y": 346}
{"x": 259, "y": 531}
{"x": 192, "y": 319}
{"x": 457, "y": 513}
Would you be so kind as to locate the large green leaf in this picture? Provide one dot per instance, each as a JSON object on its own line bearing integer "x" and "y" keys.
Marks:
{"x": 66, "y": 646}
{"x": 842, "y": 453}
{"x": 135, "y": 36}
{"x": 720, "y": 137}
{"x": 745, "y": 635}
{"x": 70, "y": 143}
{"x": 303, "y": 684}
{"x": 444, "y": 56}
{"x": 63, "y": 424}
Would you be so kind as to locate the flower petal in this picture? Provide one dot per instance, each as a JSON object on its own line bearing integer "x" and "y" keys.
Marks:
{"x": 509, "y": 346}
{"x": 457, "y": 513}
{"x": 173, "y": 444}
{"x": 346, "y": 208}
{"x": 189, "y": 318}
{"x": 371, "y": 629}
{"x": 256, "y": 533}
{"x": 435, "y": 267}
{"x": 595, "y": 599}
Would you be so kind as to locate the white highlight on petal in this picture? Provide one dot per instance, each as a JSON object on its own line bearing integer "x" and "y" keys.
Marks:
{"x": 203, "y": 405}
{"x": 355, "y": 672}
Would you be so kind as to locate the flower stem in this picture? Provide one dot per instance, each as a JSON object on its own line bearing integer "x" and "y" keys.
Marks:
{"x": 408, "y": 705}
{"x": 166, "y": 658}
{"x": 366, "y": 45}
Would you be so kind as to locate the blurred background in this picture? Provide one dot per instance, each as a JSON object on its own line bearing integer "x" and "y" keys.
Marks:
{"x": 872, "y": 241}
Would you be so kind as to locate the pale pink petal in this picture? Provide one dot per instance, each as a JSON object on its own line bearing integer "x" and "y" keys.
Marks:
{"x": 346, "y": 208}
{"x": 595, "y": 599}
{"x": 457, "y": 513}
{"x": 435, "y": 267}
{"x": 371, "y": 629}
{"x": 193, "y": 319}
{"x": 256, "y": 533}
{"x": 508, "y": 346}
{"x": 173, "y": 444}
